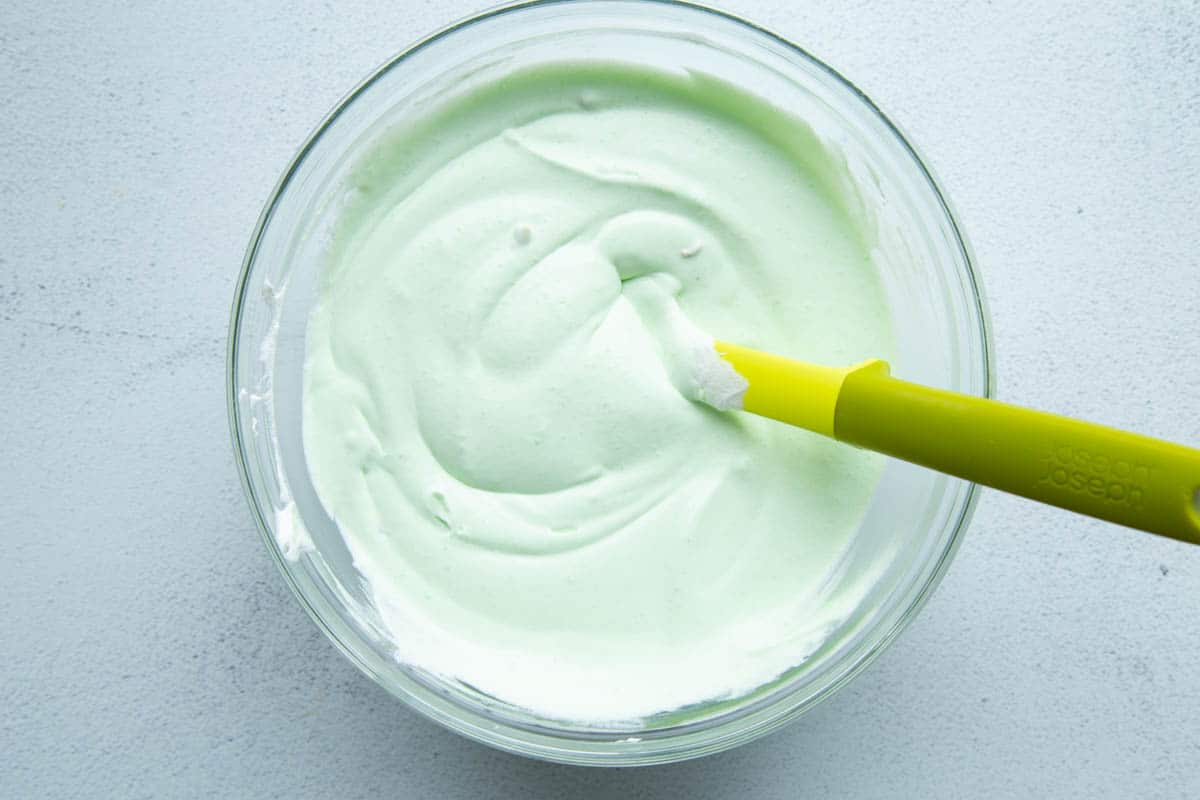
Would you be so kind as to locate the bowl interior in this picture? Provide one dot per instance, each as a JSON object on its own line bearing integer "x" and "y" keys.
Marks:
{"x": 915, "y": 516}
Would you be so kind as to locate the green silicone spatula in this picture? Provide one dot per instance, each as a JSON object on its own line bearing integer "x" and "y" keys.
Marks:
{"x": 1122, "y": 477}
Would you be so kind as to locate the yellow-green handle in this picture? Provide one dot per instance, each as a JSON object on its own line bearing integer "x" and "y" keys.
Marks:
{"x": 1122, "y": 477}
{"x": 1102, "y": 472}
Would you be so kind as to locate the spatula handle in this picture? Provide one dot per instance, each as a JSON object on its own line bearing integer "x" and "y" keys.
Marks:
{"x": 1114, "y": 475}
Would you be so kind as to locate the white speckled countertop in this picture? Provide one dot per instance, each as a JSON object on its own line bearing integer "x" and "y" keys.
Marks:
{"x": 150, "y": 649}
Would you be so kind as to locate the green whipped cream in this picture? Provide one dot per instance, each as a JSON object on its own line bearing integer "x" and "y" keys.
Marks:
{"x": 490, "y": 417}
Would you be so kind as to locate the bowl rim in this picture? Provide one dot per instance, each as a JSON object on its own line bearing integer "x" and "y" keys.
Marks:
{"x": 497, "y": 734}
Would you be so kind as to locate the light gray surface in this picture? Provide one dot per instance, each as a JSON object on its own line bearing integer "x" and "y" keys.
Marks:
{"x": 147, "y": 645}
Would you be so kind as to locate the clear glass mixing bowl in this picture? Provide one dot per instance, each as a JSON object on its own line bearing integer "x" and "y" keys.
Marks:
{"x": 915, "y": 518}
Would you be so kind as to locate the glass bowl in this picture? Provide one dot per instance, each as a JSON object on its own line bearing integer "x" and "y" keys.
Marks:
{"x": 915, "y": 518}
